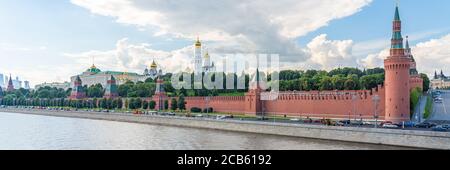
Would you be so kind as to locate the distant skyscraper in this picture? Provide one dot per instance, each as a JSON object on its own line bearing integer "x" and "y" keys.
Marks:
{"x": 26, "y": 85}
{"x": 17, "y": 83}
{"x": 2, "y": 80}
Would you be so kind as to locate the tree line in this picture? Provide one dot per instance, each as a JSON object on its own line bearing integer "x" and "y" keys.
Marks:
{"x": 289, "y": 80}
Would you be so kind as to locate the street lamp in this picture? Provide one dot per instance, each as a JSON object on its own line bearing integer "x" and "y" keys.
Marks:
{"x": 376, "y": 100}
{"x": 354, "y": 106}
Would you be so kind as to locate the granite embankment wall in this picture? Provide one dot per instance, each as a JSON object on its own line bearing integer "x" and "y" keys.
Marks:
{"x": 405, "y": 138}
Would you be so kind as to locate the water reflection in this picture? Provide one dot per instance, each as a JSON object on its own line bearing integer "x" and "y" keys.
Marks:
{"x": 21, "y": 131}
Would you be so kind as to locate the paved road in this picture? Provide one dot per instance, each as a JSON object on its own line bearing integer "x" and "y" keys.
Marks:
{"x": 441, "y": 111}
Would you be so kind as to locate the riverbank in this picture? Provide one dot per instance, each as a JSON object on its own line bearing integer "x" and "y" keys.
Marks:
{"x": 403, "y": 138}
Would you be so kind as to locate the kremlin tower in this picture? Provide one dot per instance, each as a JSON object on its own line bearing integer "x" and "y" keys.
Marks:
{"x": 397, "y": 81}
{"x": 111, "y": 89}
{"x": 77, "y": 90}
{"x": 160, "y": 95}
{"x": 415, "y": 80}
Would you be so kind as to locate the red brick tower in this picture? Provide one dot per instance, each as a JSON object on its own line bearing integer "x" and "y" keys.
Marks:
{"x": 253, "y": 105}
{"x": 160, "y": 95}
{"x": 415, "y": 80}
{"x": 397, "y": 67}
{"x": 111, "y": 89}
{"x": 77, "y": 90}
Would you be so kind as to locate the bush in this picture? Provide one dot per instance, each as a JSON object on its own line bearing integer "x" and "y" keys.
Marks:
{"x": 414, "y": 99}
{"x": 196, "y": 110}
{"x": 208, "y": 110}
{"x": 152, "y": 105}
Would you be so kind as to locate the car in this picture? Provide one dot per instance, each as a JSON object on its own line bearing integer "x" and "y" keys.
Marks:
{"x": 446, "y": 126}
{"x": 171, "y": 114}
{"x": 223, "y": 117}
{"x": 406, "y": 124}
{"x": 346, "y": 122}
{"x": 368, "y": 123}
{"x": 439, "y": 128}
{"x": 425, "y": 125}
{"x": 339, "y": 123}
{"x": 390, "y": 126}
{"x": 358, "y": 123}
{"x": 295, "y": 120}
{"x": 199, "y": 115}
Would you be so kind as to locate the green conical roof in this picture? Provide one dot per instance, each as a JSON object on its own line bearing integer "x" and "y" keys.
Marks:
{"x": 397, "y": 14}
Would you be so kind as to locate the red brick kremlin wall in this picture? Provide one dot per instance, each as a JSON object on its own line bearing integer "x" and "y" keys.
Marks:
{"x": 416, "y": 81}
{"x": 325, "y": 104}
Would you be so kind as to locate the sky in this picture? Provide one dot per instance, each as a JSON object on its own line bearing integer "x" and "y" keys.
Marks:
{"x": 49, "y": 41}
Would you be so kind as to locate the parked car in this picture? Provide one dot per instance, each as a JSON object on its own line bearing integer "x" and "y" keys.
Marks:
{"x": 440, "y": 128}
{"x": 406, "y": 124}
{"x": 339, "y": 123}
{"x": 446, "y": 126}
{"x": 425, "y": 125}
{"x": 390, "y": 126}
{"x": 347, "y": 122}
{"x": 385, "y": 122}
{"x": 295, "y": 120}
{"x": 358, "y": 123}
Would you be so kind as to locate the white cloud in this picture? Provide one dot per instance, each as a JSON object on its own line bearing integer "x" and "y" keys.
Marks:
{"x": 430, "y": 56}
{"x": 328, "y": 54}
{"x": 133, "y": 58}
{"x": 239, "y": 26}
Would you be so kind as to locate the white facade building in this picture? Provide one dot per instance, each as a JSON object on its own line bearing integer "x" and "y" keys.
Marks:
{"x": 65, "y": 85}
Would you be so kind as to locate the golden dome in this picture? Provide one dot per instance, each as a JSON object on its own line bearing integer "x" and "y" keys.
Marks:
{"x": 198, "y": 43}
{"x": 153, "y": 64}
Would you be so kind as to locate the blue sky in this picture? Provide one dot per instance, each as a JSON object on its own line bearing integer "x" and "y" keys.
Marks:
{"x": 49, "y": 40}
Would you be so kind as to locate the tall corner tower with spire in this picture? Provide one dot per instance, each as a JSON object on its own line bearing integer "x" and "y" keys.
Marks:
{"x": 397, "y": 66}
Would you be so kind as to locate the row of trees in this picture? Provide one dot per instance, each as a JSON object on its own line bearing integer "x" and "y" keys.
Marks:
{"x": 103, "y": 103}
{"x": 289, "y": 80}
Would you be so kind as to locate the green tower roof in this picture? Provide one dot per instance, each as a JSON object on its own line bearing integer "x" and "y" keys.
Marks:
{"x": 397, "y": 14}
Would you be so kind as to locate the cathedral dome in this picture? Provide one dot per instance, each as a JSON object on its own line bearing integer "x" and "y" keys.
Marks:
{"x": 93, "y": 69}
{"x": 198, "y": 43}
{"x": 153, "y": 65}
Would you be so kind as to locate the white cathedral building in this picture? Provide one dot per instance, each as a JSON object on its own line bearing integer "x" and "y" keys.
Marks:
{"x": 202, "y": 63}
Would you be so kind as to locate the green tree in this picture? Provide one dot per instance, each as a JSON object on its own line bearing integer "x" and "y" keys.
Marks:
{"x": 144, "y": 105}
{"x": 426, "y": 82}
{"x": 152, "y": 105}
{"x": 95, "y": 91}
{"x": 166, "y": 104}
{"x": 173, "y": 104}
{"x": 181, "y": 103}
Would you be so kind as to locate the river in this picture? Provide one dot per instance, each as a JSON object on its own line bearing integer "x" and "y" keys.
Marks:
{"x": 22, "y": 131}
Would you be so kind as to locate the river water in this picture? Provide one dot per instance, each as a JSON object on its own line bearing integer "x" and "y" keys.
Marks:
{"x": 22, "y": 131}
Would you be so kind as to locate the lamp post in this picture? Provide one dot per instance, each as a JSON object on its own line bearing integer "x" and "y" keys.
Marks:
{"x": 207, "y": 105}
{"x": 376, "y": 100}
{"x": 354, "y": 106}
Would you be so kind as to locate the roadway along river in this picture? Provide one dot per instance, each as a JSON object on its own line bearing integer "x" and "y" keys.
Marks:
{"x": 21, "y": 131}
